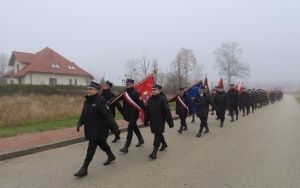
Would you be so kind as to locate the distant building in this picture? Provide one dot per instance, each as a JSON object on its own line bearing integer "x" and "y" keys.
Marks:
{"x": 45, "y": 67}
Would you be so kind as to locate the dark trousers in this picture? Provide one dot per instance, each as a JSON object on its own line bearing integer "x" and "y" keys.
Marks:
{"x": 114, "y": 129}
{"x": 252, "y": 107}
{"x": 248, "y": 108}
{"x": 233, "y": 108}
{"x": 93, "y": 146}
{"x": 132, "y": 127}
{"x": 183, "y": 119}
{"x": 203, "y": 122}
{"x": 243, "y": 108}
{"x": 221, "y": 115}
{"x": 158, "y": 138}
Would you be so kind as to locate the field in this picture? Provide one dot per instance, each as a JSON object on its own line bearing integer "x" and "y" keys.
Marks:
{"x": 37, "y": 112}
{"x": 32, "y": 113}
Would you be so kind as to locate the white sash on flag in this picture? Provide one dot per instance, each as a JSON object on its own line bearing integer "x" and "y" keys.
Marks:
{"x": 136, "y": 106}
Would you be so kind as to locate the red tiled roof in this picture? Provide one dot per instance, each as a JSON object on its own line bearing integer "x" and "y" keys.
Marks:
{"x": 47, "y": 61}
{"x": 21, "y": 57}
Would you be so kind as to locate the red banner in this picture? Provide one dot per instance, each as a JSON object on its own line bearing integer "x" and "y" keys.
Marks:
{"x": 220, "y": 84}
{"x": 145, "y": 88}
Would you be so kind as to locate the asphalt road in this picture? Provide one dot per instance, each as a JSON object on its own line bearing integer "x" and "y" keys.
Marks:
{"x": 261, "y": 150}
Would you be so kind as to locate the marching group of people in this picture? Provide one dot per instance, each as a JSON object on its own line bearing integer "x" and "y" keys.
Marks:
{"x": 99, "y": 110}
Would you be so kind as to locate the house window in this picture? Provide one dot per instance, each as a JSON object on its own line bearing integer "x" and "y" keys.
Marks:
{"x": 70, "y": 81}
{"x": 71, "y": 67}
{"x": 55, "y": 66}
{"x": 52, "y": 81}
{"x": 18, "y": 68}
{"x": 75, "y": 82}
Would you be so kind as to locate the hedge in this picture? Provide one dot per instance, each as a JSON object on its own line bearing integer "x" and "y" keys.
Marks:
{"x": 27, "y": 89}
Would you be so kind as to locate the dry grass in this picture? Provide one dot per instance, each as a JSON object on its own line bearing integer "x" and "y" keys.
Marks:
{"x": 16, "y": 111}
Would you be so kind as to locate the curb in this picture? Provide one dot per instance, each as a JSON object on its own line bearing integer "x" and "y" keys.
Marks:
{"x": 59, "y": 144}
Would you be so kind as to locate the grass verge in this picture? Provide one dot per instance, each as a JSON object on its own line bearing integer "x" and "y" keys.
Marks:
{"x": 49, "y": 125}
{"x": 38, "y": 127}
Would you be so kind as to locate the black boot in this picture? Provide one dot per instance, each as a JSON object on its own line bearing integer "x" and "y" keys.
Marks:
{"x": 126, "y": 146}
{"x": 163, "y": 147}
{"x": 185, "y": 128}
{"x": 83, "y": 170}
{"x": 237, "y": 117}
{"x": 141, "y": 141}
{"x": 193, "y": 119}
{"x": 110, "y": 158}
{"x": 117, "y": 137}
{"x": 200, "y": 131}
{"x": 206, "y": 129}
{"x": 180, "y": 129}
{"x": 153, "y": 154}
{"x": 232, "y": 120}
{"x": 221, "y": 125}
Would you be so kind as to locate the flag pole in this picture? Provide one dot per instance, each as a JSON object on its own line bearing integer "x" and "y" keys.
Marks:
{"x": 186, "y": 89}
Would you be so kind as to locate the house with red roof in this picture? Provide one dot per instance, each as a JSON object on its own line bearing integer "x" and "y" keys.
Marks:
{"x": 45, "y": 67}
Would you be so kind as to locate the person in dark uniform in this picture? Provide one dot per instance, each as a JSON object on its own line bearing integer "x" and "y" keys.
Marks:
{"x": 203, "y": 101}
{"x": 182, "y": 103}
{"x": 254, "y": 99}
{"x": 96, "y": 118}
{"x": 250, "y": 102}
{"x": 131, "y": 107}
{"x": 233, "y": 98}
{"x": 157, "y": 112}
{"x": 244, "y": 98}
{"x": 108, "y": 95}
{"x": 213, "y": 92}
{"x": 258, "y": 99}
{"x": 272, "y": 96}
{"x": 221, "y": 102}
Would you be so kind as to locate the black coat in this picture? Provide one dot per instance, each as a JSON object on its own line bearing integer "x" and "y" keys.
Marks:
{"x": 252, "y": 97}
{"x": 203, "y": 104}
{"x": 221, "y": 100}
{"x": 233, "y": 97}
{"x": 129, "y": 112}
{"x": 157, "y": 112}
{"x": 244, "y": 98}
{"x": 96, "y": 118}
{"x": 180, "y": 109}
{"x": 109, "y": 96}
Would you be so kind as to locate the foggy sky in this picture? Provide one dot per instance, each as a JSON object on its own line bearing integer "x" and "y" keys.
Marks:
{"x": 101, "y": 36}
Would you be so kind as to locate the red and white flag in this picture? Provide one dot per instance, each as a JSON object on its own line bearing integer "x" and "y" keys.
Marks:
{"x": 220, "y": 84}
{"x": 144, "y": 87}
{"x": 240, "y": 87}
{"x": 236, "y": 86}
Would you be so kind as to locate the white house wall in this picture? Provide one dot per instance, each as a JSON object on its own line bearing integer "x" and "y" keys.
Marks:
{"x": 21, "y": 66}
{"x": 43, "y": 79}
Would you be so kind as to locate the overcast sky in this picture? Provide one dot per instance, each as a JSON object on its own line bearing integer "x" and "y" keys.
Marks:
{"x": 101, "y": 36}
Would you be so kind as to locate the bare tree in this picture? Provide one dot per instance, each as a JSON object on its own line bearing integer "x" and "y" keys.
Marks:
{"x": 132, "y": 71}
{"x": 197, "y": 73}
{"x": 228, "y": 61}
{"x": 138, "y": 69}
{"x": 161, "y": 78}
{"x": 183, "y": 65}
{"x": 144, "y": 67}
{"x": 4, "y": 67}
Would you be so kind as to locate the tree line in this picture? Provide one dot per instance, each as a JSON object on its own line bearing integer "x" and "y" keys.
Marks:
{"x": 183, "y": 71}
